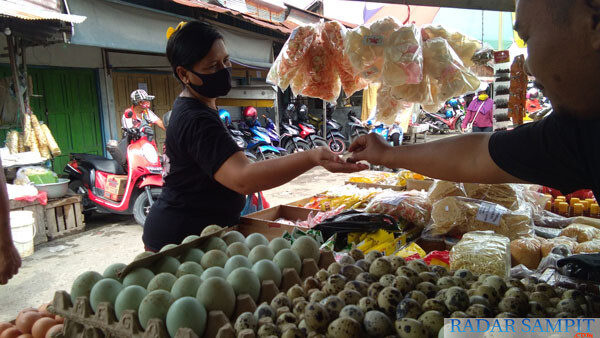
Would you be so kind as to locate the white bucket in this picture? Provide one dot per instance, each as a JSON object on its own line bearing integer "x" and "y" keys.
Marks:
{"x": 23, "y": 230}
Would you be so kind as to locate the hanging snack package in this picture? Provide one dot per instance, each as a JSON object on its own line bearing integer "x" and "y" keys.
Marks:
{"x": 292, "y": 56}
{"x": 507, "y": 195}
{"x": 418, "y": 93}
{"x": 52, "y": 145}
{"x": 12, "y": 141}
{"x": 333, "y": 36}
{"x": 482, "y": 252}
{"x": 387, "y": 106}
{"x": 458, "y": 215}
{"x": 321, "y": 79}
{"x": 21, "y": 143}
{"x": 403, "y": 57}
{"x": 364, "y": 47}
{"x": 442, "y": 189}
{"x": 442, "y": 64}
{"x": 27, "y": 131}
{"x": 465, "y": 47}
{"x": 406, "y": 206}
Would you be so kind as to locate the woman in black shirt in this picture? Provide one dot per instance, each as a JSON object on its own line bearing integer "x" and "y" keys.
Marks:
{"x": 209, "y": 175}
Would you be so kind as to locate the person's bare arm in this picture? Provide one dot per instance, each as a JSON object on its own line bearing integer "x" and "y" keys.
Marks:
{"x": 10, "y": 261}
{"x": 240, "y": 175}
{"x": 160, "y": 124}
{"x": 463, "y": 158}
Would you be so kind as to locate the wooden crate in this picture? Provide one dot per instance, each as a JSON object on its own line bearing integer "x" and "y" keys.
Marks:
{"x": 64, "y": 216}
{"x": 38, "y": 215}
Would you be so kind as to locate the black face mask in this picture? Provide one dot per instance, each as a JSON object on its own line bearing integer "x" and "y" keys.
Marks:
{"x": 214, "y": 85}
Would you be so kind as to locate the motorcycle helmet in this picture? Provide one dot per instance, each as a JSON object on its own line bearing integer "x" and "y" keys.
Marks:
{"x": 289, "y": 111}
{"x": 330, "y": 109}
{"x": 250, "y": 116}
{"x": 453, "y": 102}
{"x": 303, "y": 113}
{"x": 225, "y": 117}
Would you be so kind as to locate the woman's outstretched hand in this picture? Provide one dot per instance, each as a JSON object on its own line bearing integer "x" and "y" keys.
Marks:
{"x": 332, "y": 162}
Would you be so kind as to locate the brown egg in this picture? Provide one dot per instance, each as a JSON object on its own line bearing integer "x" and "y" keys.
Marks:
{"x": 44, "y": 311}
{"x": 42, "y": 326}
{"x": 26, "y": 320}
{"x": 25, "y": 335}
{"x": 55, "y": 329}
{"x": 59, "y": 319}
{"x": 12, "y": 332}
{"x": 4, "y": 326}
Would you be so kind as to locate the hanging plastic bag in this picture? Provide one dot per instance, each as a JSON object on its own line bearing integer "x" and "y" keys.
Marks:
{"x": 364, "y": 47}
{"x": 464, "y": 46}
{"x": 418, "y": 93}
{"x": 443, "y": 65}
{"x": 387, "y": 106}
{"x": 292, "y": 56}
{"x": 403, "y": 57}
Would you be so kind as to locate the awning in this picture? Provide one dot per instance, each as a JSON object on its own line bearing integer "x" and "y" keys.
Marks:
{"x": 26, "y": 11}
{"x": 115, "y": 25}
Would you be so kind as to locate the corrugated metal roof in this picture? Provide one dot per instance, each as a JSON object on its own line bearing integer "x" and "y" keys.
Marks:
{"x": 280, "y": 27}
{"x": 26, "y": 11}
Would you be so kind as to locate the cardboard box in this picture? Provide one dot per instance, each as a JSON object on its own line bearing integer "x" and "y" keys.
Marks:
{"x": 264, "y": 223}
{"x": 113, "y": 197}
{"x": 376, "y": 185}
{"x": 115, "y": 185}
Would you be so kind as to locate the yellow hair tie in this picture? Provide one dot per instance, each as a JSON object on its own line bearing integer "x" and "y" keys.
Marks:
{"x": 172, "y": 30}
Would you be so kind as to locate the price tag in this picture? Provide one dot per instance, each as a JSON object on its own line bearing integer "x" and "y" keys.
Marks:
{"x": 490, "y": 213}
{"x": 373, "y": 40}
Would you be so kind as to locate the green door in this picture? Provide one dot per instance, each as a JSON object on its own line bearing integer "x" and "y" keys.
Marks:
{"x": 68, "y": 103}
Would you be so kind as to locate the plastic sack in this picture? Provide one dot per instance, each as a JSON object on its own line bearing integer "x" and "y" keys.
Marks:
{"x": 504, "y": 194}
{"x": 417, "y": 93}
{"x": 459, "y": 215}
{"x": 403, "y": 57}
{"x": 387, "y": 106}
{"x": 321, "y": 79}
{"x": 526, "y": 251}
{"x": 588, "y": 247}
{"x": 464, "y": 46}
{"x": 444, "y": 66}
{"x": 35, "y": 175}
{"x": 411, "y": 250}
{"x": 581, "y": 232}
{"x": 441, "y": 258}
{"x": 12, "y": 141}
{"x": 482, "y": 252}
{"x": 549, "y": 244}
{"x": 442, "y": 189}
{"x": 292, "y": 56}
{"x": 333, "y": 36}
{"x": 406, "y": 206}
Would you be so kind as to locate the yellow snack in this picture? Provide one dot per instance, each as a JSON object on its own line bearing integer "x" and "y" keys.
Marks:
{"x": 411, "y": 249}
{"x": 482, "y": 252}
{"x": 54, "y": 149}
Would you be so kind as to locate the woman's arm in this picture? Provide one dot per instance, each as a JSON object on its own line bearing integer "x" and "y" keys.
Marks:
{"x": 10, "y": 261}
{"x": 240, "y": 175}
{"x": 467, "y": 119}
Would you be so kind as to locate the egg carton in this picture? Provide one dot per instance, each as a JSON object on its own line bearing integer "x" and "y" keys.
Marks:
{"x": 81, "y": 321}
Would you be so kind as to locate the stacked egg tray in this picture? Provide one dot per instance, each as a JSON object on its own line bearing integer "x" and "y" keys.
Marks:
{"x": 81, "y": 321}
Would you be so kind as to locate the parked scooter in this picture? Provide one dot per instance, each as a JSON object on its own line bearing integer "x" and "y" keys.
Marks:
{"x": 336, "y": 141}
{"x": 135, "y": 157}
{"x": 393, "y": 135}
{"x": 237, "y": 135}
{"x": 290, "y": 139}
{"x": 307, "y": 131}
{"x": 451, "y": 119}
{"x": 355, "y": 127}
{"x": 257, "y": 138}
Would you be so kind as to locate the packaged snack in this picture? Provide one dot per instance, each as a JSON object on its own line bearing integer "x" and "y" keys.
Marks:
{"x": 292, "y": 56}
{"x": 403, "y": 57}
{"x": 52, "y": 145}
{"x": 442, "y": 189}
{"x": 581, "y": 232}
{"x": 321, "y": 79}
{"x": 589, "y": 247}
{"x": 526, "y": 251}
{"x": 465, "y": 47}
{"x": 12, "y": 141}
{"x": 504, "y": 194}
{"x": 365, "y": 52}
{"x": 444, "y": 66}
{"x": 406, "y": 206}
{"x": 460, "y": 215}
{"x": 35, "y": 175}
{"x": 417, "y": 93}
{"x": 482, "y": 252}
{"x": 549, "y": 244}
{"x": 387, "y": 106}
{"x": 27, "y": 131}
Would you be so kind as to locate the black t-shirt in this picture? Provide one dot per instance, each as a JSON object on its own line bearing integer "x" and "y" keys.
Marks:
{"x": 197, "y": 145}
{"x": 560, "y": 152}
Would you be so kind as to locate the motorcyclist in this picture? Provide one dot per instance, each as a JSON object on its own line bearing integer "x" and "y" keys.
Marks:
{"x": 140, "y": 110}
{"x": 249, "y": 118}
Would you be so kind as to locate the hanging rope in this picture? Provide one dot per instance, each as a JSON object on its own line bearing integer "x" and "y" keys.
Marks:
{"x": 482, "y": 24}
{"x": 408, "y": 17}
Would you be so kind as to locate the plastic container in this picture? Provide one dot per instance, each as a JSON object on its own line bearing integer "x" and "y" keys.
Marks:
{"x": 55, "y": 190}
{"x": 23, "y": 230}
{"x": 577, "y": 210}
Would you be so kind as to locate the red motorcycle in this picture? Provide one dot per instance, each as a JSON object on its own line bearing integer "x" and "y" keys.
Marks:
{"x": 136, "y": 165}
{"x": 441, "y": 123}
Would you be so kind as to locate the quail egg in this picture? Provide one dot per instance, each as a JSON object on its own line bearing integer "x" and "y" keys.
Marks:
{"x": 374, "y": 290}
{"x": 464, "y": 274}
{"x": 410, "y": 328}
{"x": 497, "y": 283}
{"x": 418, "y": 265}
{"x": 351, "y": 271}
{"x": 334, "y": 305}
{"x": 429, "y": 289}
{"x": 286, "y": 318}
{"x": 569, "y": 305}
{"x": 316, "y": 317}
{"x": 410, "y": 273}
{"x": 513, "y": 305}
{"x": 268, "y": 330}
{"x": 300, "y": 307}
{"x": 265, "y": 310}
{"x": 358, "y": 286}
{"x": 377, "y": 324}
{"x": 245, "y": 321}
{"x": 367, "y": 304}
{"x": 403, "y": 283}
{"x": 317, "y": 296}
{"x": 295, "y": 291}
{"x": 380, "y": 267}
{"x": 334, "y": 268}
{"x": 479, "y": 300}
{"x": 479, "y": 311}
{"x": 434, "y": 305}
{"x": 445, "y": 282}
{"x": 516, "y": 293}
{"x": 281, "y": 300}
{"x": 363, "y": 264}
{"x": 311, "y": 283}
{"x": 431, "y": 277}
{"x": 456, "y": 299}
{"x": 433, "y": 322}
{"x": 536, "y": 310}
{"x": 489, "y": 293}
{"x": 322, "y": 275}
{"x": 367, "y": 278}
{"x": 344, "y": 328}
{"x": 396, "y": 262}
{"x": 439, "y": 270}
{"x": 350, "y": 296}
{"x": 387, "y": 280}
{"x": 356, "y": 254}
{"x": 408, "y": 308}
{"x": 354, "y": 312}
{"x": 388, "y": 299}
{"x": 347, "y": 260}
{"x": 546, "y": 289}
{"x": 372, "y": 256}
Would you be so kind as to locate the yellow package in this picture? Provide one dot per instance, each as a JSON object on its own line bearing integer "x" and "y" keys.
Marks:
{"x": 374, "y": 239}
{"x": 411, "y": 249}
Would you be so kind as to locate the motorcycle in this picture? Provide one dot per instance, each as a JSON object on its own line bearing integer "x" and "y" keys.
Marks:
{"x": 393, "y": 135}
{"x": 135, "y": 157}
{"x": 336, "y": 141}
{"x": 238, "y": 137}
{"x": 307, "y": 131}
{"x": 439, "y": 123}
{"x": 290, "y": 139}
{"x": 259, "y": 143}
{"x": 355, "y": 127}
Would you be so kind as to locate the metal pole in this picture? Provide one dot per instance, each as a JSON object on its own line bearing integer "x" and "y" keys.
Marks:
{"x": 500, "y": 44}
{"x": 28, "y": 90}
{"x": 277, "y": 109}
{"x": 15, "y": 73}
{"x": 325, "y": 120}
